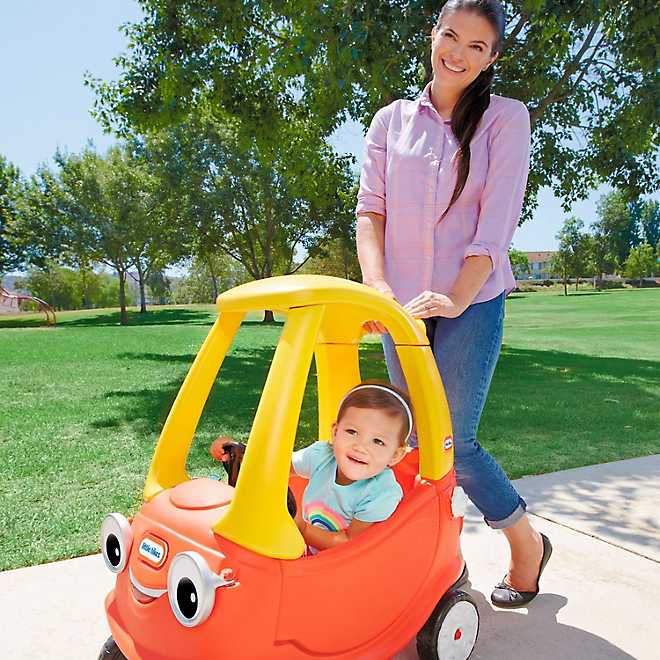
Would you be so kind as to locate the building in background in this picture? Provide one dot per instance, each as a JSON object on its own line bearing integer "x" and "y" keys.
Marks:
{"x": 540, "y": 265}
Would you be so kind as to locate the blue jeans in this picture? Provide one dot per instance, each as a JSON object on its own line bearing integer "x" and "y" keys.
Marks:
{"x": 466, "y": 351}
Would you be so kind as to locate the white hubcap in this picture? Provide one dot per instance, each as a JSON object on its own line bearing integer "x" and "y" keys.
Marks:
{"x": 458, "y": 632}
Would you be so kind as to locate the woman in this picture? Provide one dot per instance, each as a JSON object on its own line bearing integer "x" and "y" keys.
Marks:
{"x": 440, "y": 195}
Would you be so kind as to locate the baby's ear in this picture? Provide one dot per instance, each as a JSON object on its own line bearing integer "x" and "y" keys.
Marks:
{"x": 398, "y": 456}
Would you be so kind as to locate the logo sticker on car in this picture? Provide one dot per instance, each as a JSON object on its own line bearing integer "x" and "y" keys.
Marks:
{"x": 449, "y": 443}
{"x": 153, "y": 551}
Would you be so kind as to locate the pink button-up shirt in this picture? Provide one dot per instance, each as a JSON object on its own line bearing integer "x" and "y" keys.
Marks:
{"x": 409, "y": 177}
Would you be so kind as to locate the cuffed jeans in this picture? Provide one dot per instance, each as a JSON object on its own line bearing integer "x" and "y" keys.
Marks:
{"x": 466, "y": 351}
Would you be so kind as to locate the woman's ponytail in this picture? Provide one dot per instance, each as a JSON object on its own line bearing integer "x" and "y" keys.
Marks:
{"x": 474, "y": 101}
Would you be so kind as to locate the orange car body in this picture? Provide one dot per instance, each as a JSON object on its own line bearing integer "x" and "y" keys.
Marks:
{"x": 364, "y": 599}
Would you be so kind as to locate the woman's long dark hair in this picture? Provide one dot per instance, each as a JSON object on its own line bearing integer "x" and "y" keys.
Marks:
{"x": 474, "y": 100}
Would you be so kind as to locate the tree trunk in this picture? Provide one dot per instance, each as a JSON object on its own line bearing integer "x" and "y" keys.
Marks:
{"x": 268, "y": 316}
{"x": 84, "y": 285}
{"x": 565, "y": 287}
{"x": 599, "y": 281}
{"x": 143, "y": 300}
{"x": 123, "y": 316}
{"x": 214, "y": 284}
{"x": 577, "y": 282}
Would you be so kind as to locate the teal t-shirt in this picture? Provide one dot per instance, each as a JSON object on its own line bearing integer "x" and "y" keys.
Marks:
{"x": 332, "y": 506}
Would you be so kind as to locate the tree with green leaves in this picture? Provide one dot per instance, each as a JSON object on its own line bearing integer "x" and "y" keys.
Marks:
{"x": 337, "y": 255}
{"x": 207, "y": 278}
{"x": 104, "y": 200}
{"x": 598, "y": 255}
{"x": 153, "y": 240}
{"x": 263, "y": 205}
{"x": 561, "y": 265}
{"x": 519, "y": 262}
{"x": 573, "y": 251}
{"x": 97, "y": 209}
{"x": 160, "y": 286}
{"x": 617, "y": 226}
{"x": 586, "y": 70}
{"x": 11, "y": 254}
{"x": 646, "y": 216}
{"x": 64, "y": 287}
{"x": 640, "y": 262}
{"x": 336, "y": 258}
{"x": 52, "y": 224}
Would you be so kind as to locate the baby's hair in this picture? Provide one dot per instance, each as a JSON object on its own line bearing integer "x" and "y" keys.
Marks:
{"x": 376, "y": 394}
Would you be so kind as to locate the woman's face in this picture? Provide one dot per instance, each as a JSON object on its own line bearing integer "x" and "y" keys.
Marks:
{"x": 462, "y": 47}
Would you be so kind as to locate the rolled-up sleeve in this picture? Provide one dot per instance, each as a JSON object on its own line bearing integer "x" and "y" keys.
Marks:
{"x": 371, "y": 196}
{"x": 503, "y": 194}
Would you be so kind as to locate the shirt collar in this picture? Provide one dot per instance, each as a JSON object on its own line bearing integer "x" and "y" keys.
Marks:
{"x": 424, "y": 101}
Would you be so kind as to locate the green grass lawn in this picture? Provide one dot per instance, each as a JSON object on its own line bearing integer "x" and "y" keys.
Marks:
{"x": 82, "y": 403}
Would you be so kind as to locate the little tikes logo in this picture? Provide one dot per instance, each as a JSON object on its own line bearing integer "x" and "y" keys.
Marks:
{"x": 449, "y": 443}
{"x": 153, "y": 551}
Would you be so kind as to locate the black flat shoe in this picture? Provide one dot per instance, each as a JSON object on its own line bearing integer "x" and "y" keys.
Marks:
{"x": 506, "y": 596}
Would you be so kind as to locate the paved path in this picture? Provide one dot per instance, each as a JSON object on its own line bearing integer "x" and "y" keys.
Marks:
{"x": 601, "y": 590}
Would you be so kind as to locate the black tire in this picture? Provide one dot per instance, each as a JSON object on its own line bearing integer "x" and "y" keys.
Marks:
{"x": 110, "y": 651}
{"x": 452, "y": 627}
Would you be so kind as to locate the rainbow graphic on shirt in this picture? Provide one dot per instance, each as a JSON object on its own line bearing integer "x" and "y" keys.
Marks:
{"x": 321, "y": 515}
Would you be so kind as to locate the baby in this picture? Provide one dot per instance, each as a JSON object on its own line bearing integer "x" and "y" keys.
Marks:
{"x": 351, "y": 485}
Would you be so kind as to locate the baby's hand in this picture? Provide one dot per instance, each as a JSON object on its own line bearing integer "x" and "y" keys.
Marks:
{"x": 219, "y": 448}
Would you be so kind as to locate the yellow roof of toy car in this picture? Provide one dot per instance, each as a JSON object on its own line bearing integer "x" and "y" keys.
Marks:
{"x": 324, "y": 319}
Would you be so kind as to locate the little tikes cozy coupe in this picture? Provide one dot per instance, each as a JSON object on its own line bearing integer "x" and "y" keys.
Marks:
{"x": 208, "y": 571}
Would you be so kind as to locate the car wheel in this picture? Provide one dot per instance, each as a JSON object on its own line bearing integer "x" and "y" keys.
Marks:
{"x": 110, "y": 651}
{"x": 451, "y": 631}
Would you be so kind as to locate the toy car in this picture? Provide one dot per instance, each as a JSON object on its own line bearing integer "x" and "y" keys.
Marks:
{"x": 208, "y": 571}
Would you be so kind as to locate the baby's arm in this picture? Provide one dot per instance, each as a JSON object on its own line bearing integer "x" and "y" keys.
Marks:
{"x": 322, "y": 539}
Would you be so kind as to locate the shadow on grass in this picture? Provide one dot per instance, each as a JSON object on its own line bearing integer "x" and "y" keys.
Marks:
{"x": 261, "y": 324}
{"x": 581, "y": 294}
{"x": 186, "y": 358}
{"x": 156, "y": 316}
{"x": 153, "y": 317}
{"x": 88, "y": 318}
{"x": 20, "y": 322}
{"x": 551, "y": 410}
{"x": 571, "y": 294}
{"x": 547, "y": 410}
{"x": 234, "y": 397}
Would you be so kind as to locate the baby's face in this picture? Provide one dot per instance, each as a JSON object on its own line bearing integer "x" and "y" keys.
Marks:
{"x": 365, "y": 441}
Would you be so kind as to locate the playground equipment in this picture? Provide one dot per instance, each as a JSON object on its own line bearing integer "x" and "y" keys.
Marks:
{"x": 205, "y": 570}
{"x": 10, "y": 303}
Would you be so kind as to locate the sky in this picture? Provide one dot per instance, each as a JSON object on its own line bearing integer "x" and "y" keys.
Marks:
{"x": 46, "y": 47}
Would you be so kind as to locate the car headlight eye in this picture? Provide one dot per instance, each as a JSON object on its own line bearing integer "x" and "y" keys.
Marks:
{"x": 116, "y": 541}
{"x": 191, "y": 586}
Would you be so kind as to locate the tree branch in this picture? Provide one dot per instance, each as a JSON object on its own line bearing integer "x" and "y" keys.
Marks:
{"x": 300, "y": 265}
{"x": 510, "y": 38}
{"x": 570, "y": 69}
{"x": 586, "y": 67}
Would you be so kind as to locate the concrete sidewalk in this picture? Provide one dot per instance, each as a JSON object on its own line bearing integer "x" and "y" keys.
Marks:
{"x": 600, "y": 593}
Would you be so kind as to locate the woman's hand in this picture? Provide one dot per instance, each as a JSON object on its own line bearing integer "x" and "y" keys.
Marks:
{"x": 376, "y": 327}
{"x": 428, "y": 304}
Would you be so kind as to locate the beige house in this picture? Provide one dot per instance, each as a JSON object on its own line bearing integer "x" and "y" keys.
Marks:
{"x": 539, "y": 266}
